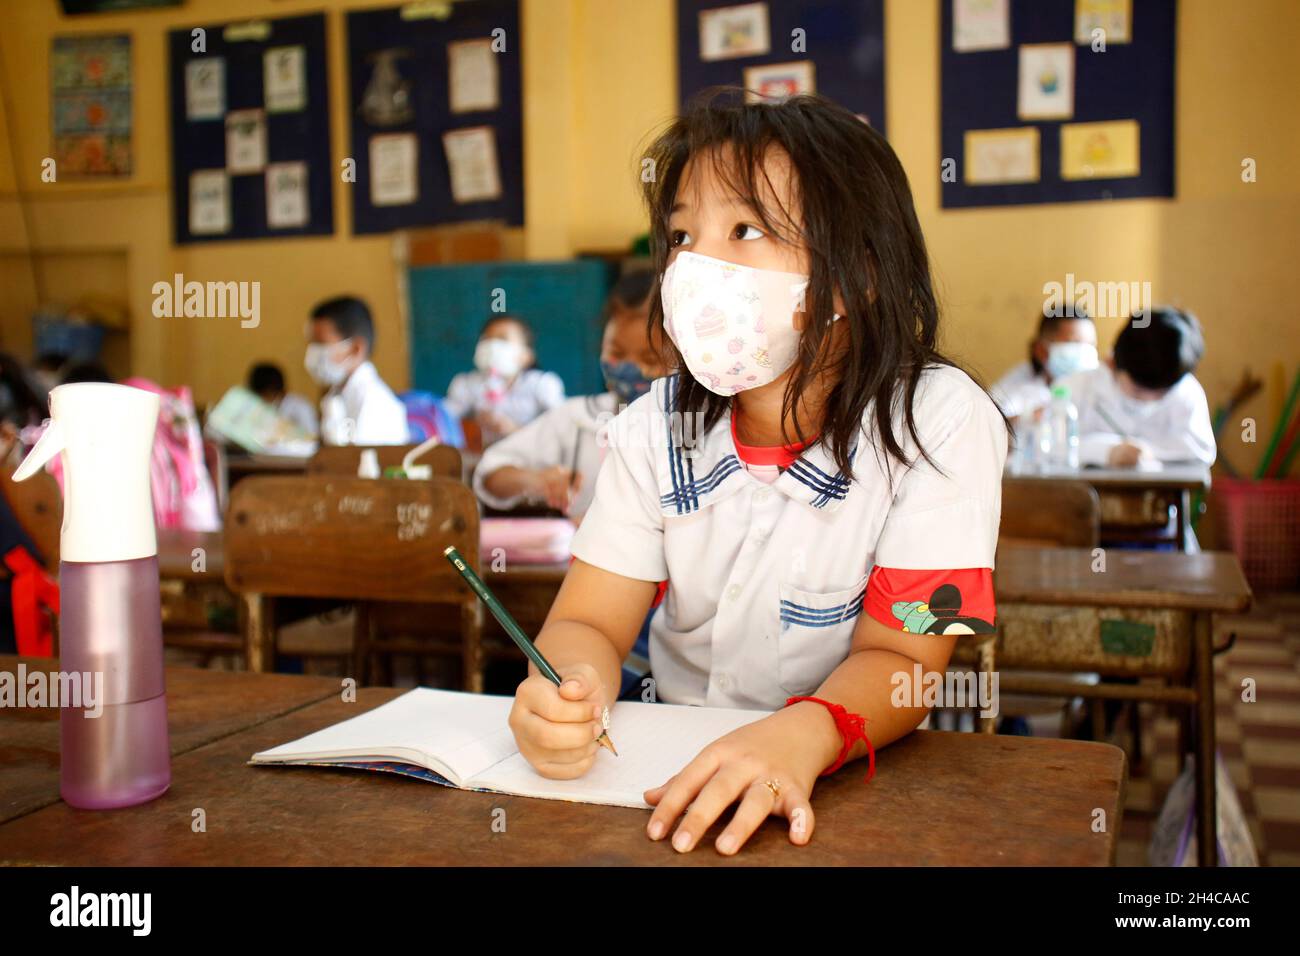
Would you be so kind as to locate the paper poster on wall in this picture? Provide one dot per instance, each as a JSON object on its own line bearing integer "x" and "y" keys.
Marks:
{"x": 1113, "y": 17}
{"x": 773, "y": 82}
{"x": 90, "y": 85}
{"x": 205, "y": 88}
{"x": 245, "y": 141}
{"x": 284, "y": 79}
{"x": 394, "y": 169}
{"x": 472, "y": 163}
{"x": 999, "y": 156}
{"x": 727, "y": 33}
{"x": 981, "y": 25}
{"x": 287, "y": 206}
{"x": 1107, "y": 150}
{"x": 1046, "y": 86}
{"x": 472, "y": 82}
{"x": 209, "y": 202}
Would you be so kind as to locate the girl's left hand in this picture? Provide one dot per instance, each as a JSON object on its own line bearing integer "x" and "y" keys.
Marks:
{"x": 738, "y": 767}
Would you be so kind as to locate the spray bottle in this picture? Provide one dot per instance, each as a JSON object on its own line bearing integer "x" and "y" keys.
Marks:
{"x": 111, "y": 619}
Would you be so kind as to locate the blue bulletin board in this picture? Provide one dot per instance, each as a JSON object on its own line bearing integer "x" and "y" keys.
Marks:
{"x": 837, "y": 45}
{"x": 562, "y": 301}
{"x": 401, "y": 88}
{"x": 1113, "y": 137}
{"x": 237, "y": 71}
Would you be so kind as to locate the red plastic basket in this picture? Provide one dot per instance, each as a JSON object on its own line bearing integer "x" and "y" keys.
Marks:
{"x": 1260, "y": 521}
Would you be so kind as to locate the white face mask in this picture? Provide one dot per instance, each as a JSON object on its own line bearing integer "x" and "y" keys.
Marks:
{"x": 498, "y": 357}
{"x": 1066, "y": 358}
{"x": 323, "y": 369}
{"x": 734, "y": 325}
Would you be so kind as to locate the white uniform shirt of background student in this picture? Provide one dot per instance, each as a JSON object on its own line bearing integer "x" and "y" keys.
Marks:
{"x": 1173, "y": 428}
{"x": 358, "y": 408}
{"x": 1144, "y": 407}
{"x": 505, "y": 391}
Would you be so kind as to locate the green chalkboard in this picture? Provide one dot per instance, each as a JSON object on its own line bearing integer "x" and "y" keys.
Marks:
{"x": 562, "y": 301}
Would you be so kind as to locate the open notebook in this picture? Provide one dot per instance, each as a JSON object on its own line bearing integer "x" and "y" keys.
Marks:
{"x": 462, "y": 740}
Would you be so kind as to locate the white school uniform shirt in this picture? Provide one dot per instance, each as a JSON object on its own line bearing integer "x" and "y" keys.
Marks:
{"x": 299, "y": 411}
{"x": 1021, "y": 391}
{"x": 1174, "y": 428}
{"x": 364, "y": 411}
{"x": 531, "y": 393}
{"x": 766, "y": 581}
{"x": 549, "y": 440}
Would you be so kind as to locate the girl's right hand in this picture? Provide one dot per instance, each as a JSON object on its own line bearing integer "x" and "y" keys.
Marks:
{"x": 556, "y": 728}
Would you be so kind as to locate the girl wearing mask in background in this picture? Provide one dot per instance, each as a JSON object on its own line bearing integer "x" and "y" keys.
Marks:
{"x": 833, "y": 520}
{"x": 536, "y": 463}
{"x": 1064, "y": 345}
{"x": 504, "y": 391}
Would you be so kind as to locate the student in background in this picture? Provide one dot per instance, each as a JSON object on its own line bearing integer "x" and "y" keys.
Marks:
{"x": 358, "y": 409}
{"x": 1064, "y": 345}
{"x": 266, "y": 381}
{"x": 1143, "y": 407}
{"x": 536, "y": 462}
{"x": 505, "y": 391}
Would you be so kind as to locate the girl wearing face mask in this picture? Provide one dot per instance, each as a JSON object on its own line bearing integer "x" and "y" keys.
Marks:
{"x": 505, "y": 390}
{"x": 554, "y": 458}
{"x": 819, "y": 485}
{"x": 1065, "y": 344}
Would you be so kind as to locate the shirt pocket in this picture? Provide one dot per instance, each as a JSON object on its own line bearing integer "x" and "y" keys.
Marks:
{"x": 816, "y": 630}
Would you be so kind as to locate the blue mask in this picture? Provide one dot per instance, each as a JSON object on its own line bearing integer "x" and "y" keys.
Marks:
{"x": 625, "y": 380}
{"x": 1066, "y": 358}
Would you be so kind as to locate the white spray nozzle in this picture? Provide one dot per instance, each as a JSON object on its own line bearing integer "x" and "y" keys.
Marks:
{"x": 50, "y": 444}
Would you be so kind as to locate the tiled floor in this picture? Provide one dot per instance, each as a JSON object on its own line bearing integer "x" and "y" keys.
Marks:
{"x": 1258, "y": 741}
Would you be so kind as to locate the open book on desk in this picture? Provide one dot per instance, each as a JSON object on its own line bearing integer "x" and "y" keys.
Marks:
{"x": 463, "y": 740}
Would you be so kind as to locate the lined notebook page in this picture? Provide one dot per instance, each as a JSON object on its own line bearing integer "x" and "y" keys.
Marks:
{"x": 464, "y": 733}
{"x": 654, "y": 741}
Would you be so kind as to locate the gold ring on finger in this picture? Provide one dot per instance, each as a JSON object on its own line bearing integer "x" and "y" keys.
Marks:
{"x": 774, "y": 786}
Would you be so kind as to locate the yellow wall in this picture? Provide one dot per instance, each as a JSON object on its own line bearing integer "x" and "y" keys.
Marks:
{"x": 598, "y": 75}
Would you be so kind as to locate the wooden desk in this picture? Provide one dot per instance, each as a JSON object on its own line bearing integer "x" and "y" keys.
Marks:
{"x": 202, "y": 706}
{"x": 240, "y": 465}
{"x": 937, "y": 799}
{"x": 1116, "y": 485}
{"x": 1191, "y": 588}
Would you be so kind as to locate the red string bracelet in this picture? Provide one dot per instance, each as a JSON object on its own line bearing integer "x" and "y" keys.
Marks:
{"x": 852, "y": 727}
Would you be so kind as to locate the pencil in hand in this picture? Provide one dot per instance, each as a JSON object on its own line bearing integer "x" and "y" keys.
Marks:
{"x": 517, "y": 634}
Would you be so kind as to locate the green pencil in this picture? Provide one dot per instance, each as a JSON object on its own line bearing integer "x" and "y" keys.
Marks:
{"x": 517, "y": 633}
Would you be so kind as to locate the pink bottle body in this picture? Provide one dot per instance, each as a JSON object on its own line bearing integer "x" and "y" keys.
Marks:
{"x": 111, "y": 624}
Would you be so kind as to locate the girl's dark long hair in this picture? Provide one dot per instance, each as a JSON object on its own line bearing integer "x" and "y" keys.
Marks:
{"x": 859, "y": 226}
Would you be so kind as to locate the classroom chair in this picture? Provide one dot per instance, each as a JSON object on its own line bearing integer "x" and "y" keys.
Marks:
{"x": 346, "y": 459}
{"x": 1037, "y": 512}
{"x": 357, "y": 540}
{"x": 1045, "y": 512}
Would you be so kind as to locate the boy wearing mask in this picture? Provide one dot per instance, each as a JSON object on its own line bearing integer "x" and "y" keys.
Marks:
{"x": 358, "y": 408}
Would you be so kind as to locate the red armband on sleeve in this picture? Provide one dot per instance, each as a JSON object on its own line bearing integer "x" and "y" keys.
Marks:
{"x": 932, "y": 602}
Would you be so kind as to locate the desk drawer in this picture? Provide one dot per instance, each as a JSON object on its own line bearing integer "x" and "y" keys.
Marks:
{"x": 1114, "y": 641}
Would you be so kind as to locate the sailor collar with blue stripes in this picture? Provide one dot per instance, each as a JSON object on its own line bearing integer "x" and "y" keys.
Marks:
{"x": 696, "y": 471}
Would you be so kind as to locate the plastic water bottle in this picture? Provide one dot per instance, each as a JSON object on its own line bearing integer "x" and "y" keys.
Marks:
{"x": 1062, "y": 421}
